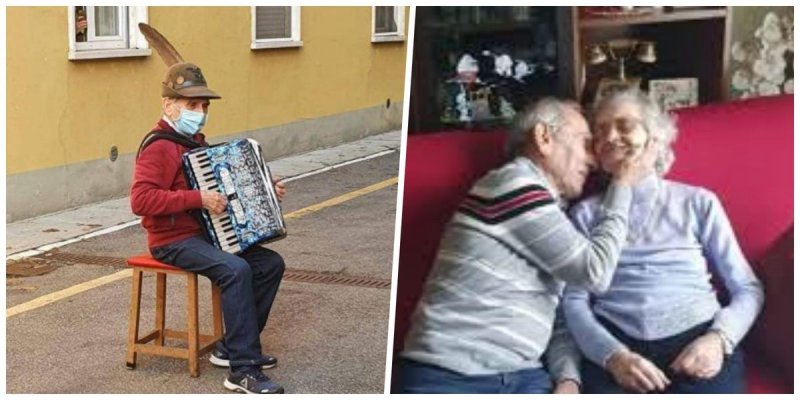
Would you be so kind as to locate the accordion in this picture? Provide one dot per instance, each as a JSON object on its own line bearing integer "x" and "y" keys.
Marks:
{"x": 237, "y": 170}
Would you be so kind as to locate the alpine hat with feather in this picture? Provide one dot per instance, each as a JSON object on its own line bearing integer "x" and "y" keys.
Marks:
{"x": 183, "y": 79}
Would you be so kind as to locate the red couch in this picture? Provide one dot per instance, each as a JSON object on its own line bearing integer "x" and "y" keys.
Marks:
{"x": 743, "y": 151}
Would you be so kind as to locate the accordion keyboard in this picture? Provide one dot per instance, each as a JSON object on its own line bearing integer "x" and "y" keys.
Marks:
{"x": 221, "y": 223}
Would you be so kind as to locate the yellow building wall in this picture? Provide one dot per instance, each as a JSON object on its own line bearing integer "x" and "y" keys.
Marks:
{"x": 61, "y": 112}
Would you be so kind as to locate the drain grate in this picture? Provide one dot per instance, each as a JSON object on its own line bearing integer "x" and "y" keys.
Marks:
{"x": 336, "y": 279}
{"x": 83, "y": 259}
{"x": 293, "y": 275}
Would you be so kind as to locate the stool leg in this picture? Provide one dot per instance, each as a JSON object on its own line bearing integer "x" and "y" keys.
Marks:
{"x": 216, "y": 310}
{"x": 161, "y": 300}
{"x": 191, "y": 320}
{"x": 133, "y": 319}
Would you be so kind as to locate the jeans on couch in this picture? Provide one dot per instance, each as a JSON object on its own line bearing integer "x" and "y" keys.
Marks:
{"x": 423, "y": 378}
{"x": 248, "y": 282}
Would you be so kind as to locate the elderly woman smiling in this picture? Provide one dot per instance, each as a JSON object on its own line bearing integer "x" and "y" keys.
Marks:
{"x": 659, "y": 326}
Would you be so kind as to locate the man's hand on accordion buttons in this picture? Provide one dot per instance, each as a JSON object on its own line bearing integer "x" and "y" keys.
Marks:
{"x": 213, "y": 201}
{"x": 280, "y": 189}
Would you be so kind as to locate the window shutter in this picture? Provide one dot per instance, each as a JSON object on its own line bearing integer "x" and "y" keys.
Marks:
{"x": 273, "y": 22}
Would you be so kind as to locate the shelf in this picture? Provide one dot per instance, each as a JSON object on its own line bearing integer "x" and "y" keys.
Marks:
{"x": 677, "y": 32}
{"x": 652, "y": 18}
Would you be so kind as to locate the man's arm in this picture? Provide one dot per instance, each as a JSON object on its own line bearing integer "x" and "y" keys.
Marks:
{"x": 562, "y": 355}
{"x": 594, "y": 340}
{"x": 596, "y": 343}
{"x": 150, "y": 192}
{"x": 586, "y": 261}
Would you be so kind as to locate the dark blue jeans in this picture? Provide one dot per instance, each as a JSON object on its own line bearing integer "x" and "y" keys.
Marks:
{"x": 249, "y": 283}
{"x": 662, "y": 352}
{"x": 418, "y": 378}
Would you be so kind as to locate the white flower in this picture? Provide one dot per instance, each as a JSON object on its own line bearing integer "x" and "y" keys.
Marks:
{"x": 768, "y": 89}
{"x": 741, "y": 79}
{"x": 738, "y": 52}
{"x": 770, "y": 30}
{"x": 760, "y": 65}
{"x": 769, "y": 65}
{"x": 776, "y": 49}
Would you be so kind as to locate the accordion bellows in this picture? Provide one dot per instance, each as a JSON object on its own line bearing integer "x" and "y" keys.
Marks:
{"x": 237, "y": 170}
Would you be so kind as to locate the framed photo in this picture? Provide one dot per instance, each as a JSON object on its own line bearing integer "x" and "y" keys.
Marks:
{"x": 674, "y": 93}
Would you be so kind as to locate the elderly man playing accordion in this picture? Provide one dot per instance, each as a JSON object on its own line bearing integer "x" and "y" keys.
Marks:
{"x": 160, "y": 194}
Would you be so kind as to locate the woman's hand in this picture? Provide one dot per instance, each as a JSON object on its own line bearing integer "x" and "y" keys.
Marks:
{"x": 702, "y": 358}
{"x": 636, "y": 373}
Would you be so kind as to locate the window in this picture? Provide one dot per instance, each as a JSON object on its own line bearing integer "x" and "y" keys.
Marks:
{"x": 106, "y": 32}
{"x": 388, "y": 24}
{"x": 275, "y": 27}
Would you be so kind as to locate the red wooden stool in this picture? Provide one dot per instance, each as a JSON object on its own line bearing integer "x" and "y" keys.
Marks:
{"x": 197, "y": 344}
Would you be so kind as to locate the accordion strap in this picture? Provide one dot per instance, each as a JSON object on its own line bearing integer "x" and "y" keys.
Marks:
{"x": 166, "y": 135}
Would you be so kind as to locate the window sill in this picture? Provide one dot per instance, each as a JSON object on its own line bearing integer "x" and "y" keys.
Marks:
{"x": 388, "y": 38}
{"x": 278, "y": 44}
{"x": 116, "y": 53}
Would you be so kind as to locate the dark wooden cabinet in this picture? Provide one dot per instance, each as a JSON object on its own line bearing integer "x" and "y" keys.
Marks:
{"x": 527, "y": 36}
{"x": 689, "y": 42}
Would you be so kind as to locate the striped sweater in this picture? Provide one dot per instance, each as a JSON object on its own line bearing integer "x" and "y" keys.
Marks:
{"x": 490, "y": 302}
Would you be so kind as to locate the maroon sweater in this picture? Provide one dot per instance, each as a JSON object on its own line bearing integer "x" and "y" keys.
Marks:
{"x": 160, "y": 195}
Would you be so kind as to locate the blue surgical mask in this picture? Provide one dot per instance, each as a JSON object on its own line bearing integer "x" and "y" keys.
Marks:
{"x": 190, "y": 122}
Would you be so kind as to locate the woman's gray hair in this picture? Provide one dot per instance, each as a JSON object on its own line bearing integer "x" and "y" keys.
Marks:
{"x": 548, "y": 111}
{"x": 658, "y": 123}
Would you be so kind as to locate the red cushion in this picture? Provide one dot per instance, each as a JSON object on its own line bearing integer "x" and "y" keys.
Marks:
{"x": 773, "y": 334}
{"x": 743, "y": 152}
{"x": 440, "y": 169}
{"x": 147, "y": 261}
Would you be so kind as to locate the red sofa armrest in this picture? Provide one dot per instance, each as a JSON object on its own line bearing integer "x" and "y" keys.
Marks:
{"x": 772, "y": 339}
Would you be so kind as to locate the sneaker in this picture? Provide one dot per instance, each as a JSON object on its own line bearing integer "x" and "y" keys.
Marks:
{"x": 220, "y": 359}
{"x": 251, "y": 381}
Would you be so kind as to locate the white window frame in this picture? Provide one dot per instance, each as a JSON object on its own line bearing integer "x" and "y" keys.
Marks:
{"x": 95, "y": 42}
{"x": 293, "y": 41}
{"x": 130, "y": 44}
{"x": 399, "y": 35}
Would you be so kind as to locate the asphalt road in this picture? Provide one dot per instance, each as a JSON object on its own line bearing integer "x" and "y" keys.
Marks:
{"x": 329, "y": 338}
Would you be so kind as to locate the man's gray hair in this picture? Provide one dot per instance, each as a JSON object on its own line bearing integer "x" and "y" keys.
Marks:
{"x": 658, "y": 123}
{"x": 548, "y": 111}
